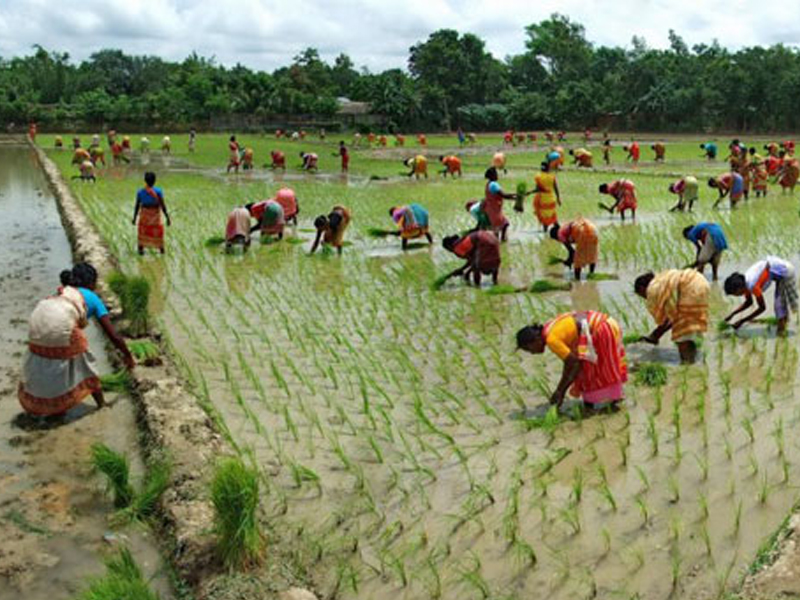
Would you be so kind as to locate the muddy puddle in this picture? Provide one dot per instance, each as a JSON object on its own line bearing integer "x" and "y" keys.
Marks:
{"x": 53, "y": 515}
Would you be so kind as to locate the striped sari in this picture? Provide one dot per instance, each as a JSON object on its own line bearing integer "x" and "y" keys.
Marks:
{"x": 680, "y": 297}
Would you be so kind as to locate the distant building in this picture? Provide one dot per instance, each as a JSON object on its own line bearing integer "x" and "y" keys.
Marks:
{"x": 353, "y": 114}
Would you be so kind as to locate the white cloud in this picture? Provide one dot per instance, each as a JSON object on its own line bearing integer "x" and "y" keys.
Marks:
{"x": 377, "y": 33}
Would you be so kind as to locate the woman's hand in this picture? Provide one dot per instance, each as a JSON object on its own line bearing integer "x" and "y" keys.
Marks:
{"x": 649, "y": 339}
{"x": 557, "y": 398}
{"x": 128, "y": 361}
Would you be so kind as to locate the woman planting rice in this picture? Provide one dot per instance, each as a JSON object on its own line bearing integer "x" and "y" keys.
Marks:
{"x": 709, "y": 150}
{"x": 687, "y": 190}
{"x": 59, "y": 371}
{"x": 270, "y": 217}
{"x": 590, "y": 344}
{"x": 660, "y": 151}
{"x": 481, "y": 250}
{"x": 728, "y": 184}
{"x": 452, "y": 166}
{"x": 237, "y": 230}
{"x": 149, "y": 206}
{"x": 710, "y": 242}
{"x": 678, "y": 300}
{"x": 789, "y": 172}
{"x": 546, "y": 197}
{"x": 330, "y": 229}
{"x": 624, "y": 193}
{"x": 583, "y": 158}
{"x": 418, "y": 166}
{"x": 278, "y": 160}
{"x": 310, "y": 160}
{"x": 755, "y": 282}
{"x": 634, "y": 152}
{"x": 412, "y": 222}
{"x": 493, "y": 204}
{"x": 580, "y": 239}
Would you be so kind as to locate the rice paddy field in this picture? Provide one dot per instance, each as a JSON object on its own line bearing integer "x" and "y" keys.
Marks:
{"x": 402, "y": 439}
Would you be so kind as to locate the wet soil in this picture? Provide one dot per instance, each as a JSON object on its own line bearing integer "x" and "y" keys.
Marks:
{"x": 54, "y": 517}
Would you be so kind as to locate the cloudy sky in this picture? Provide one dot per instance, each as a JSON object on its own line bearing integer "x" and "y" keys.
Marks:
{"x": 375, "y": 33}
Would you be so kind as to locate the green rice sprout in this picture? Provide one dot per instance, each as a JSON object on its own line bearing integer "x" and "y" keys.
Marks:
{"x": 116, "y": 469}
{"x": 145, "y": 501}
{"x": 120, "y": 381}
{"x": 214, "y": 241}
{"x": 380, "y": 233}
{"x": 123, "y": 580}
{"x": 554, "y": 259}
{"x": 577, "y": 485}
{"x": 651, "y": 375}
{"x": 597, "y": 276}
{"x": 608, "y": 495}
{"x": 652, "y": 434}
{"x": 501, "y": 289}
{"x": 235, "y": 497}
{"x": 763, "y": 489}
{"x": 643, "y": 478}
{"x": 641, "y": 503}
{"x": 134, "y": 295}
{"x": 542, "y": 286}
{"x": 143, "y": 350}
{"x": 631, "y": 338}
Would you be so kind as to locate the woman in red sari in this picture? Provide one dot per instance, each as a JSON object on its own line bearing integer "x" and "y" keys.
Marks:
{"x": 493, "y": 204}
{"x": 590, "y": 344}
{"x": 149, "y": 206}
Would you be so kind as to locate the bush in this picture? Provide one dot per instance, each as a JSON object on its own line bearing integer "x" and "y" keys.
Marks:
{"x": 234, "y": 493}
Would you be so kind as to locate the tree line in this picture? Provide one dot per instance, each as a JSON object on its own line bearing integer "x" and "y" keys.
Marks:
{"x": 560, "y": 80}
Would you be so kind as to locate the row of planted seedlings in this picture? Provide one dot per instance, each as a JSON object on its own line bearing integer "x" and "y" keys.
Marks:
{"x": 422, "y": 448}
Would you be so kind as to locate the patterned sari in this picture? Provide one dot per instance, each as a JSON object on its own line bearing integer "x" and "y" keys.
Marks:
{"x": 544, "y": 201}
{"x": 680, "y": 297}
{"x": 583, "y": 235}
{"x": 151, "y": 230}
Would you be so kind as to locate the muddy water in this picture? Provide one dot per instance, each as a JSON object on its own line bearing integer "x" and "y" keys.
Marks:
{"x": 53, "y": 516}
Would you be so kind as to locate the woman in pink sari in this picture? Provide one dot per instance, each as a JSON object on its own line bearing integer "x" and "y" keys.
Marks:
{"x": 493, "y": 204}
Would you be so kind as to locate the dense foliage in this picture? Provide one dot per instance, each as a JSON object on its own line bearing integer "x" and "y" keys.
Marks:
{"x": 560, "y": 80}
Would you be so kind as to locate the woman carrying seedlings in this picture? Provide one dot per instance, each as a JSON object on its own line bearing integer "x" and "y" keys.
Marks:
{"x": 493, "y": 204}
{"x": 481, "y": 250}
{"x": 330, "y": 229}
{"x": 710, "y": 242}
{"x": 581, "y": 241}
{"x": 237, "y": 230}
{"x": 269, "y": 215}
{"x": 59, "y": 372}
{"x": 624, "y": 193}
{"x": 149, "y": 206}
{"x": 590, "y": 344}
{"x": 583, "y": 158}
{"x": 688, "y": 191}
{"x": 755, "y": 282}
{"x": 412, "y": 222}
{"x": 546, "y": 197}
{"x": 728, "y": 184}
{"x": 418, "y": 166}
{"x": 452, "y": 166}
{"x": 288, "y": 200}
{"x": 678, "y": 300}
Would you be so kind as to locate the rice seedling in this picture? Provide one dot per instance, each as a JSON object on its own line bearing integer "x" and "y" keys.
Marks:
{"x": 644, "y": 510}
{"x": 763, "y": 489}
{"x": 674, "y": 489}
{"x": 608, "y": 496}
{"x": 145, "y": 501}
{"x": 120, "y": 381}
{"x": 553, "y": 260}
{"x": 116, "y": 468}
{"x": 675, "y": 566}
{"x": 597, "y": 276}
{"x": 652, "y": 435}
{"x": 577, "y": 485}
{"x": 134, "y": 295}
{"x": 542, "y": 286}
{"x": 747, "y": 425}
{"x": 235, "y": 497}
{"x": 214, "y": 241}
{"x": 143, "y": 350}
{"x": 643, "y": 478}
{"x": 123, "y": 579}
{"x": 651, "y": 375}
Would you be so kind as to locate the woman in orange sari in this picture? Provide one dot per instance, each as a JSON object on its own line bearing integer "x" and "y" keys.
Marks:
{"x": 590, "y": 344}
{"x": 546, "y": 197}
{"x": 582, "y": 243}
{"x": 149, "y": 206}
{"x": 678, "y": 300}
{"x": 789, "y": 173}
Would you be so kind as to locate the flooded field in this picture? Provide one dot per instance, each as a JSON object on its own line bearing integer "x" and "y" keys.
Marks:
{"x": 406, "y": 442}
{"x": 54, "y": 517}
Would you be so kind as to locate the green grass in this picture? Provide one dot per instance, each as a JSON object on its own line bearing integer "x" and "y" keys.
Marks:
{"x": 115, "y": 467}
{"x": 120, "y": 381}
{"x": 235, "y": 496}
{"x": 123, "y": 580}
{"x": 143, "y": 350}
{"x": 651, "y": 375}
{"x": 542, "y": 286}
{"x": 134, "y": 294}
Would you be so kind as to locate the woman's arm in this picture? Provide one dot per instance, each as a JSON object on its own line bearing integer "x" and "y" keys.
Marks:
{"x": 116, "y": 339}
{"x": 762, "y": 306}
{"x": 572, "y": 368}
{"x": 571, "y": 257}
{"x": 316, "y": 241}
{"x": 657, "y": 333}
{"x": 558, "y": 193}
{"x": 164, "y": 209}
{"x": 744, "y": 306}
{"x": 135, "y": 210}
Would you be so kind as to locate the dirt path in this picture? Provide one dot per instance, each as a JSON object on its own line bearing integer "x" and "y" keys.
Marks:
{"x": 53, "y": 516}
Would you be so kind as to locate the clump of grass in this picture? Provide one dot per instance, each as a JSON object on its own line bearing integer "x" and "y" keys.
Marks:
{"x": 631, "y": 338}
{"x": 143, "y": 350}
{"x": 651, "y": 375}
{"x": 121, "y": 381}
{"x": 554, "y": 259}
{"x": 542, "y": 286}
{"x": 134, "y": 294}
{"x": 214, "y": 241}
{"x": 602, "y": 276}
{"x": 724, "y": 326}
{"x": 380, "y": 233}
{"x": 123, "y": 580}
{"x": 548, "y": 422}
{"x": 499, "y": 290}
{"x": 234, "y": 494}
{"x": 145, "y": 502}
{"x": 117, "y": 470}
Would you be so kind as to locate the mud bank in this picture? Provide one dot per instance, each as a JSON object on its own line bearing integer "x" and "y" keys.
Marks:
{"x": 171, "y": 418}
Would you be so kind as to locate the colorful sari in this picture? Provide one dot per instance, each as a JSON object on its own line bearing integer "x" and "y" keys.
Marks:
{"x": 493, "y": 207}
{"x": 335, "y": 237}
{"x": 481, "y": 249}
{"x": 151, "y": 230}
{"x": 583, "y": 235}
{"x": 789, "y": 173}
{"x": 238, "y": 226}
{"x": 288, "y": 200}
{"x": 680, "y": 297}
{"x": 544, "y": 201}
{"x": 272, "y": 220}
{"x": 624, "y": 191}
{"x": 596, "y": 339}
{"x": 58, "y": 372}
{"x": 412, "y": 221}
